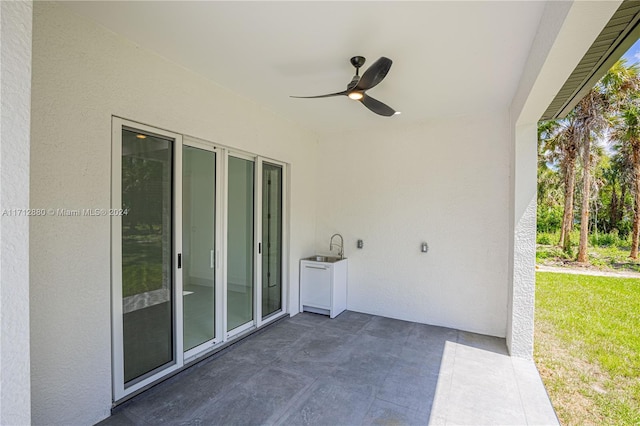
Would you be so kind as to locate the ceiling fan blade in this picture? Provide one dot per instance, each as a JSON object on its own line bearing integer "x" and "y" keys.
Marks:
{"x": 344, "y": 92}
{"x": 377, "y": 106}
{"x": 374, "y": 74}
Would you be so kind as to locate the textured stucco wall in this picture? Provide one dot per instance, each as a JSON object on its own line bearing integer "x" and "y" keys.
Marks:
{"x": 15, "y": 109}
{"x": 445, "y": 182}
{"x": 522, "y": 292}
{"x": 82, "y": 75}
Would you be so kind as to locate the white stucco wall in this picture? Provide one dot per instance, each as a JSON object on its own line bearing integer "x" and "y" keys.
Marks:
{"x": 15, "y": 99}
{"x": 444, "y": 182}
{"x": 82, "y": 75}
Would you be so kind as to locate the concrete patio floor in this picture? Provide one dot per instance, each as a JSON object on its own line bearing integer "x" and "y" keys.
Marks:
{"x": 356, "y": 369}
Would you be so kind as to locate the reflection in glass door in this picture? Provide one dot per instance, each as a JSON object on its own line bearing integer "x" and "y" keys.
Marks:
{"x": 271, "y": 239}
{"x": 240, "y": 248}
{"x": 198, "y": 245}
{"x": 147, "y": 284}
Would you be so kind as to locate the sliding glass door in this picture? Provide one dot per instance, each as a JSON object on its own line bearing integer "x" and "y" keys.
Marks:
{"x": 197, "y": 250}
{"x": 271, "y": 239}
{"x": 198, "y": 245}
{"x": 240, "y": 241}
{"x": 145, "y": 166}
{"x": 147, "y": 283}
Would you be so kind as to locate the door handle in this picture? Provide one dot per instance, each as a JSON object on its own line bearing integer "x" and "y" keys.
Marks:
{"x": 211, "y": 259}
{"x": 315, "y": 267}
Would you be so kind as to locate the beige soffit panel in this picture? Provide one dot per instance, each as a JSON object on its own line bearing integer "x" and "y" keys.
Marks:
{"x": 615, "y": 39}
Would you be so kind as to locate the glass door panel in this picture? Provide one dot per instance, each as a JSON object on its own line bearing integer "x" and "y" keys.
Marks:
{"x": 240, "y": 245}
{"x": 198, "y": 245}
{"x": 147, "y": 284}
{"x": 271, "y": 239}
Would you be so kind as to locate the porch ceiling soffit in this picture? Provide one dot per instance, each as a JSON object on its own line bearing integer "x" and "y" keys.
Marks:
{"x": 613, "y": 41}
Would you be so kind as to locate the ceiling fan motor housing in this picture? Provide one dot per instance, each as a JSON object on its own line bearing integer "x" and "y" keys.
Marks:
{"x": 357, "y": 62}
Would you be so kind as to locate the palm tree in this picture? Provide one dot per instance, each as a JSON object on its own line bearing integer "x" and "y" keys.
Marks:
{"x": 593, "y": 117}
{"x": 574, "y": 135}
{"x": 548, "y": 182}
{"x": 628, "y": 132}
{"x": 623, "y": 83}
{"x": 559, "y": 146}
{"x": 591, "y": 120}
{"x": 618, "y": 176}
{"x": 549, "y": 187}
{"x": 612, "y": 179}
{"x": 624, "y": 166}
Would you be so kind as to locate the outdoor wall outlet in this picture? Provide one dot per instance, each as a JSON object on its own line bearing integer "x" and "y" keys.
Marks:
{"x": 424, "y": 247}
{"x": 360, "y": 244}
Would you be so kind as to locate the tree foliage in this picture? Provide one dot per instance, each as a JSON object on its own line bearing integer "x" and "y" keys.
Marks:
{"x": 600, "y": 142}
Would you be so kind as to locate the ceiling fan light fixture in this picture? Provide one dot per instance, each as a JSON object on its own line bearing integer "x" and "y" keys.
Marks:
{"x": 356, "y": 96}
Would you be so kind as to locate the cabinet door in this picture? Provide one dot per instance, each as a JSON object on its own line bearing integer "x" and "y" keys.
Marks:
{"x": 316, "y": 281}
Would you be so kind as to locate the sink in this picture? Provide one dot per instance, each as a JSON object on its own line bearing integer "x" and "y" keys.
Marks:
{"x": 324, "y": 259}
{"x": 323, "y": 285}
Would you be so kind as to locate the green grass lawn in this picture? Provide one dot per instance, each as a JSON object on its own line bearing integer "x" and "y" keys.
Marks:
{"x": 141, "y": 261}
{"x": 588, "y": 347}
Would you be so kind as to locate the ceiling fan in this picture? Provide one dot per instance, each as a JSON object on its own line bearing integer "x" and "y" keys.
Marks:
{"x": 358, "y": 86}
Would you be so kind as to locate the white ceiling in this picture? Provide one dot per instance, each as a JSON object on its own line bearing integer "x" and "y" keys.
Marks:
{"x": 450, "y": 58}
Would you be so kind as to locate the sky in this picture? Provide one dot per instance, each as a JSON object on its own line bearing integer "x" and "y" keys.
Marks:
{"x": 633, "y": 54}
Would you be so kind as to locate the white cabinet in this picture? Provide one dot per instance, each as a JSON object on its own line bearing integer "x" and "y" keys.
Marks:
{"x": 323, "y": 287}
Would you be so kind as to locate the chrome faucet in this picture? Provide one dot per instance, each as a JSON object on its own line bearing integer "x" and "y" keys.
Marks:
{"x": 331, "y": 244}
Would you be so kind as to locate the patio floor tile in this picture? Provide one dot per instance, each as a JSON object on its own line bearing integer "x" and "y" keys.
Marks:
{"x": 385, "y": 413}
{"x": 330, "y": 402}
{"x": 355, "y": 369}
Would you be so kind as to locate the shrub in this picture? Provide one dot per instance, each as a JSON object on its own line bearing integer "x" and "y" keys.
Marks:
{"x": 605, "y": 240}
{"x": 547, "y": 238}
{"x": 624, "y": 227}
{"x": 543, "y": 239}
{"x": 551, "y": 252}
{"x": 549, "y": 219}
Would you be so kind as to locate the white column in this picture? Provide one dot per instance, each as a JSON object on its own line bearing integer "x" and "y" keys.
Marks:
{"x": 522, "y": 290}
{"x": 15, "y": 111}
